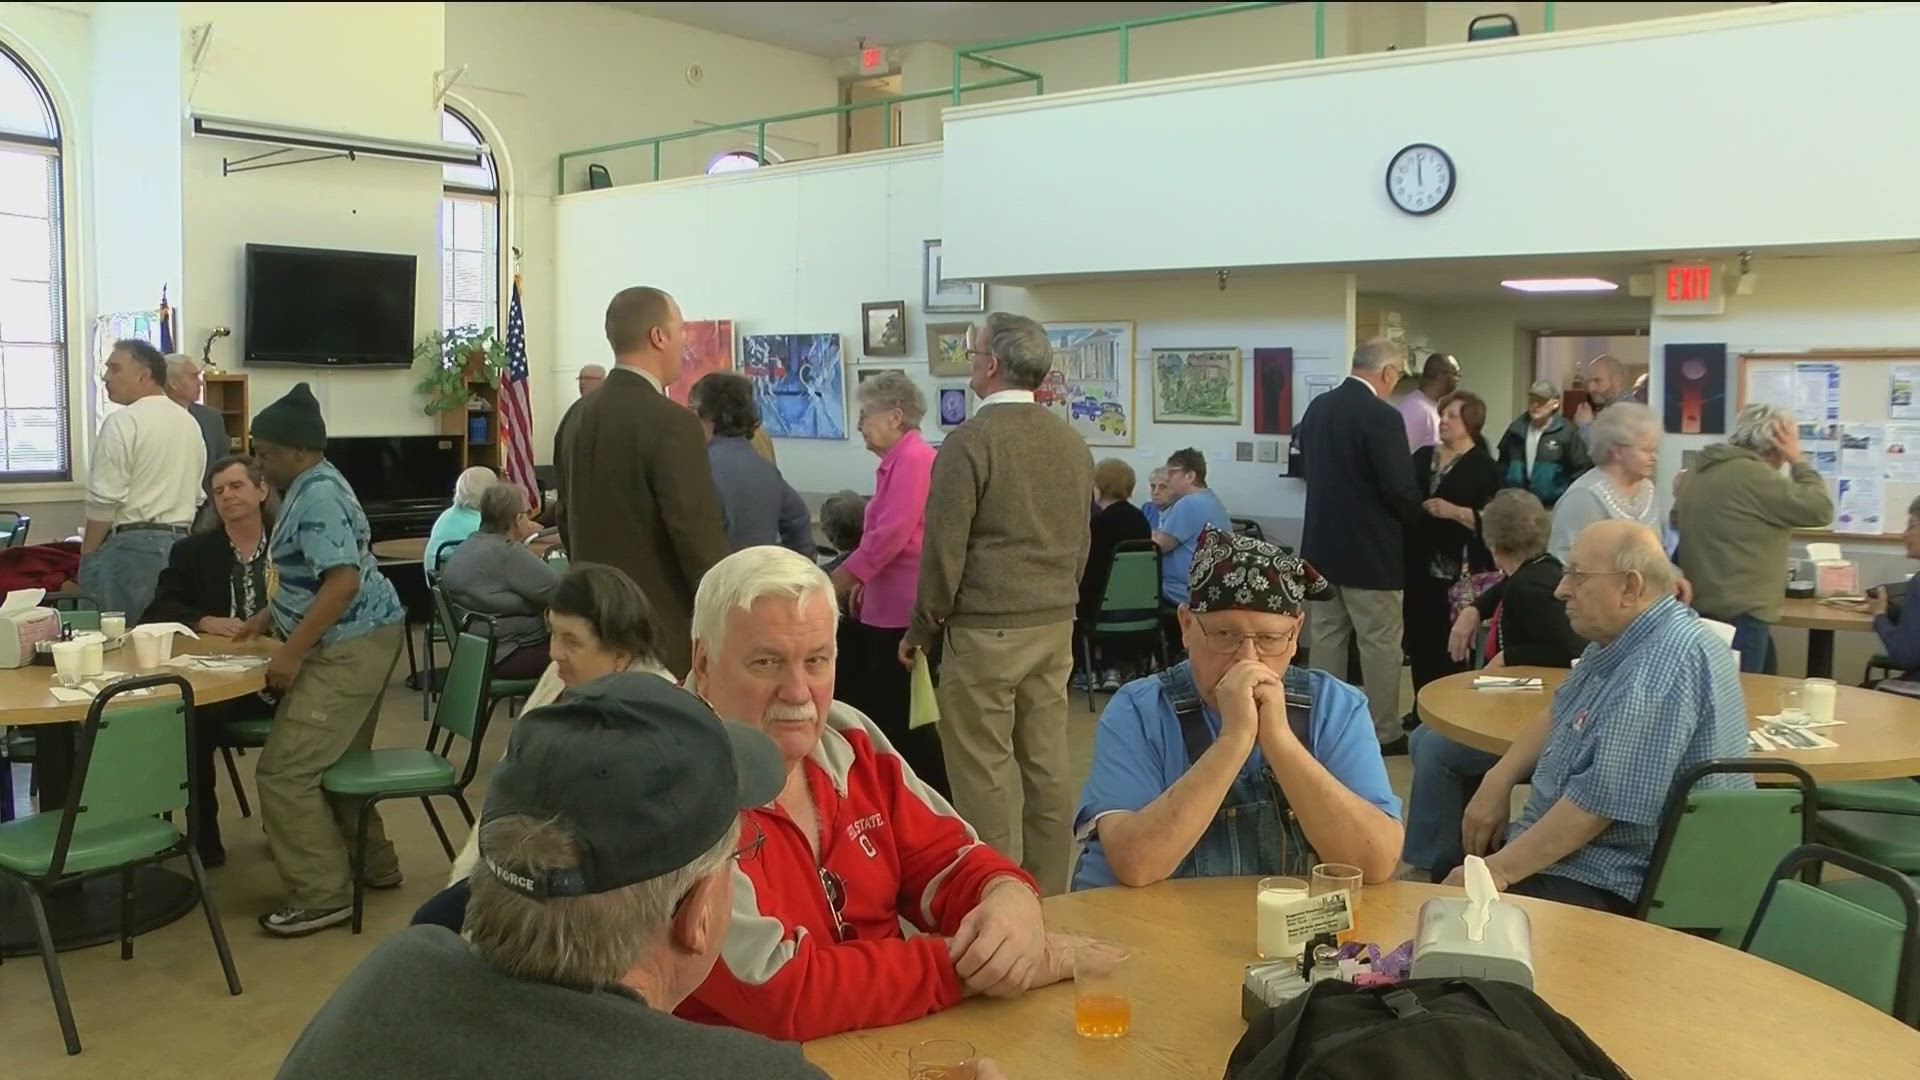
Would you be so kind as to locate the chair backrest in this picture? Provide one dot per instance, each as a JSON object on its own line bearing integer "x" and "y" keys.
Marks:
{"x": 1493, "y": 26}
{"x": 1248, "y": 527}
{"x": 80, "y": 618}
{"x": 465, "y": 694}
{"x": 70, "y": 600}
{"x": 437, "y": 558}
{"x": 14, "y": 526}
{"x": 1723, "y": 631}
{"x": 558, "y": 560}
{"x": 1853, "y": 949}
{"x": 443, "y": 612}
{"x": 1717, "y": 848}
{"x": 132, "y": 760}
{"x": 598, "y": 177}
{"x": 1133, "y": 578}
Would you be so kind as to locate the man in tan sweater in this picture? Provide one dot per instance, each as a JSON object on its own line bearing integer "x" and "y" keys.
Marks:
{"x": 1005, "y": 541}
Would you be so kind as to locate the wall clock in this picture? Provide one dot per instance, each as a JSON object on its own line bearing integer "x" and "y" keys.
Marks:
{"x": 1420, "y": 179}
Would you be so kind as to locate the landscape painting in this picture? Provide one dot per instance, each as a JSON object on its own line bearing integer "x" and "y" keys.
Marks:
{"x": 947, "y": 350}
{"x": 707, "y": 345}
{"x": 1197, "y": 386}
{"x": 1091, "y": 384}
{"x": 799, "y": 384}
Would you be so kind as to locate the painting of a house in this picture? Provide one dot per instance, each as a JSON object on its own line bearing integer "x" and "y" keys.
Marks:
{"x": 1091, "y": 384}
{"x": 1196, "y": 386}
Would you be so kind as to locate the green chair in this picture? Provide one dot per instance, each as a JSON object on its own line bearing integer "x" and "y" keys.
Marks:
{"x": 1129, "y": 606}
{"x": 559, "y": 561}
{"x": 242, "y": 735}
{"x": 1890, "y": 839}
{"x": 1900, "y": 795}
{"x": 439, "y": 627}
{"x": 1824, "y": 936}
{"x": 129, "y": 771}
{"x": 1488, "y": 27}
{"x": 511, "y": 691}
{"x": 1717, "y": 848}
{"x": 374, "y": 776}
{"x": 1878, "y": 668}
{"x": 13, "y": 527}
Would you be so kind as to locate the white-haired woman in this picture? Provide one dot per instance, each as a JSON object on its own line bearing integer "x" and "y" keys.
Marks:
{"x": 1625, "y": 445}
{"x": 462, "y": 519}
{"x": 1736, "y": 514}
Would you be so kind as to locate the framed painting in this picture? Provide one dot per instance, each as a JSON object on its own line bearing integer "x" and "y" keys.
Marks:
{"x": 940, "y": 293}
{"x": 799, "y": 383}
{"x": 1273, "y": 391}
{"x": 947, "y": 350}
{"x": 883, "y": 328}
{"x": 954, "y": 406}
{"x": 1196, "y": 386}
{"x": 706, "y": 345}
{"x": 1091, "y": 384}
{"x": 867, "y": 373}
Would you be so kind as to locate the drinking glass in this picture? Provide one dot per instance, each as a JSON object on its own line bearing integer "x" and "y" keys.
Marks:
{"x": 1277, "y": 896}
{"x": 1102, "y": 1003}
{"x": 941, "y": 1059}
{"x": 1338, "y": 877}
{"x": 1793, "y": 704}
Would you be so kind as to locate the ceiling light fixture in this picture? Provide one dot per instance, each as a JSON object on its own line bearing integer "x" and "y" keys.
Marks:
{"x": 1560, "y": 284}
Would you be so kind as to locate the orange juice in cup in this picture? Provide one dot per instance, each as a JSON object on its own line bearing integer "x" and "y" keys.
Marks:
{"x": 1102, "y": 1003}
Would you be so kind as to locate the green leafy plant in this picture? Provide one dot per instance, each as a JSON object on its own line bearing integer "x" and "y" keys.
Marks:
{"x": 453, "y": 359}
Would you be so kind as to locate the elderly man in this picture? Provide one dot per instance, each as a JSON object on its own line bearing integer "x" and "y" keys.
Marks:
{"x": 590, "y": 378}
{"x": 1736, "y": 515}
{"x": 144, "y": 483}
{"x": 184, "y": 386}
{"x": 1541, "y": 451}
{"x": 1420, "y": 409}
{"x": 854, "y": 842}
{"x": 1655, "y": 695}
{"x": 1002, "y": 552}
{"x": 1232, "y": 762}
{"x": 1159, "y": 498}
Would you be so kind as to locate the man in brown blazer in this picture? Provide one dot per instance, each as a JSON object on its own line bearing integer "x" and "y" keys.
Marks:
{"x": 634, "y": 481}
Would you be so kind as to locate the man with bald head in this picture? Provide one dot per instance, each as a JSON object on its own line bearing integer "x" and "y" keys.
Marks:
{"x": 590, "y": 378}
{"x": 1656, "y": 694}
{"x": 1420, "y": 410}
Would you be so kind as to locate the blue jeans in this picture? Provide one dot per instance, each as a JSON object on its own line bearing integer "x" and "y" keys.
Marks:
{"x": 1565, "y": 890}
{"x": 1445, "y": 776}
{"x": 122, "y": 572}
{"x": 1753, "y": 640}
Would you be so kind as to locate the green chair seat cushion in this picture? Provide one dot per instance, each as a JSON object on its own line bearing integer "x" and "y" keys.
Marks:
{"x": 1870, "y": 894}
{"x": 376, "y": 772}
{"x": 1900, "y": 795}
{"x": 254, "y": 730}
{"x": 26, "y": 844}
{"x": 1142, "y": 626}
{"x": 499, "y": 689}
{"x": 1889, "y": 839}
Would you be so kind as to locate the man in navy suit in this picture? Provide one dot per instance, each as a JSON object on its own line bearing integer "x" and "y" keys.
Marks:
{"x": 1360, "y": 497}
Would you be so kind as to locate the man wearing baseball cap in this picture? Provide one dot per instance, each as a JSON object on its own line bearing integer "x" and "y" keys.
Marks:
{"x": 600, "y": 902}
{"x": 1542, "y": 451}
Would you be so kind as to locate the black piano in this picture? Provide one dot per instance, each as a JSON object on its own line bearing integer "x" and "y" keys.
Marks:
{"x": 403, "y": 481}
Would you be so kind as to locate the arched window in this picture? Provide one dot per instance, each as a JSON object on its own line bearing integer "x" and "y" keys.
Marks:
{"x": 739, "y": 161}
{"x": 469, "y": 232}
{"x": 33, "y": 321}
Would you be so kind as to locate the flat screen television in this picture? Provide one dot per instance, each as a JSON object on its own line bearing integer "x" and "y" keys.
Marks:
{"x": 390, "y": 469}
{"x": 323, "y": 308}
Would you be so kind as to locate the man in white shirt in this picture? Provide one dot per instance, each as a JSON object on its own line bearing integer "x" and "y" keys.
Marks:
{"x": 143, "y": 485}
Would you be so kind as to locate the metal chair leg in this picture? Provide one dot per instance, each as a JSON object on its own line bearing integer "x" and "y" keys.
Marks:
{"x": 239, "y": 790}
{"x": 466, "y": 811}
{"x": 54, "y": 982}
{"x": 213, "y": 922}
{"x": 126, "y": 913}
{"x": 357, "y": 868}
{"x": 438, "y": 830}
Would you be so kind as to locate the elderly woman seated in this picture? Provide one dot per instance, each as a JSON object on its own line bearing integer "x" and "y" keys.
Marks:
{"x": 757, "y": 506}
{"x": 843, "y": 521}
{"x": 493, "y": 573}
{"x": 457, "y": 522}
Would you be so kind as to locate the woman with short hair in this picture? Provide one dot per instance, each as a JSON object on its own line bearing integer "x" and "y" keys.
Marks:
{"x": 494, "y": 573}
{"x": 457, "y": 522}
{"x": 1115, "y": 520}
{"x": 757, "y": 505}
{"x": 842, "y": 521}
{"x": 1624, "y": 443}
{"x": 1458, "y": 476}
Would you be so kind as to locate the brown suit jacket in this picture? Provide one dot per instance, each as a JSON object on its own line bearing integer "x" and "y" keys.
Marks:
{"x": 638, "y": 494}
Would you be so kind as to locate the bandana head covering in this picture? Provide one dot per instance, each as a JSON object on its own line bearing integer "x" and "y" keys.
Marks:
{"x": 1231, "y": 572}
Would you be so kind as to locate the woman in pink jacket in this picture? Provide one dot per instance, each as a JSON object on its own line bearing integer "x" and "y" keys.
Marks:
{"x": 877, "y": 582}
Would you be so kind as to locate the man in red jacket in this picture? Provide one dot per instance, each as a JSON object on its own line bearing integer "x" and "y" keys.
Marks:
{"x": 854, "y": 844}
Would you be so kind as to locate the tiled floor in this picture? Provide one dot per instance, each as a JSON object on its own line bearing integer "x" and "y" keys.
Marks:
{"x": 166, "y": 1015}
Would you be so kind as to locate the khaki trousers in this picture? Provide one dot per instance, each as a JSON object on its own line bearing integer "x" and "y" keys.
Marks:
{"x": 1373, "y": 617}
{"x": 1003, "y": 716}
{"x": 330, "y": 709}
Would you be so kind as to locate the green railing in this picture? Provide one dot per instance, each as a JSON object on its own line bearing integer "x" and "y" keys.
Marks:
{"x": 759, "y": 126}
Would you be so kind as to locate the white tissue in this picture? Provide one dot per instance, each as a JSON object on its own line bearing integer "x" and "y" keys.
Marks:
{"x": 1480, "y": 897}
{"x": 20, "y": 599}
{"x": 165, "y": 628}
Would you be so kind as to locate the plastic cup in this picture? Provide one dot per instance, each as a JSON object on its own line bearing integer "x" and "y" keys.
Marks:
{"x": 113, "y": 623}
{"x": 1821, "y": 695}
{"x": 1793, "y": 704}
{"x": 1338, "y": 877}
{"x": 942, "y": 1059}
{"x": 69, "y": 659}
{"x": 1102, "y": 999}
{"x": 151, "y": 650}
{"x": 93, "y": 654}
{"x": 1276, "y": 897}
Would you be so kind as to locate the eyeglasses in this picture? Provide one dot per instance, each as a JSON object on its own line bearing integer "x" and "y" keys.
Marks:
{"x": 1226, "y": 642}
{"x": 979, "y": 352}
{"x": 751, "y": 849}
{"x": 836, "y": 890}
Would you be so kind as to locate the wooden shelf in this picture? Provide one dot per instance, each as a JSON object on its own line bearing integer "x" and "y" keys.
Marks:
{"x": 226, "y": 394}
{"x": 454, "y": 423}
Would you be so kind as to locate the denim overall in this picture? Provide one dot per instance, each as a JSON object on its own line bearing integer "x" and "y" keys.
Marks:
{"x": 1255, "y": 832}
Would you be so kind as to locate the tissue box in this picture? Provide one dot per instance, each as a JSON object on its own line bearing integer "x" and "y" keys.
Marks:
{"x": 1835, "y": 577}
{"x": 1442, "y": 950}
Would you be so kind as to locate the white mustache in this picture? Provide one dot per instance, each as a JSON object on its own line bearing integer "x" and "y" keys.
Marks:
{"x": 792, "y": 713}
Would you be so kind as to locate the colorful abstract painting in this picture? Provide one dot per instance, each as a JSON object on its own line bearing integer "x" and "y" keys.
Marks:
{"x": 947, "y": 349}
{"x": 1091, "y": 384}
{"x": 799, "y": 383}
{"x": 706, "y": 345}
{"x": 1196, "y": 386}
{"x": 954, "y": 406}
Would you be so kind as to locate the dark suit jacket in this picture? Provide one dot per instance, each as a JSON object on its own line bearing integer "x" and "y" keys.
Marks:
{"x": 197, "y": 582}
{"x": 638, "y": 495}
{"x": 1360, "y": 489}
{"x": 562, "y": 452}
{"x": 1472, "y": 482}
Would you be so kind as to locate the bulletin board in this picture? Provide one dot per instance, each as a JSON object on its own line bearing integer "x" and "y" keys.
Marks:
{"x": 1859, "y": 414}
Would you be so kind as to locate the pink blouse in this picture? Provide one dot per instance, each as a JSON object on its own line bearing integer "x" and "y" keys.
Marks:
{"x": 887, "y": 562}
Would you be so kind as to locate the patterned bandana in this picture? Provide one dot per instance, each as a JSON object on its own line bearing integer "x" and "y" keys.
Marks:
{"x": 1238, "y": 573}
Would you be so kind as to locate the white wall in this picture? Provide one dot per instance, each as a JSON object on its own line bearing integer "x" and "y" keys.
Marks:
{"x": 135, "y": 137}
{"x": 829, "y": 236}
{"x": 1285, "y": 165}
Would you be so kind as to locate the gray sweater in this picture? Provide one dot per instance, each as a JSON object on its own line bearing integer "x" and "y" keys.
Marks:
{"x": 493, "y": 575}
{"x": 422, "y": 1006}
{"x": 757, "y": 505}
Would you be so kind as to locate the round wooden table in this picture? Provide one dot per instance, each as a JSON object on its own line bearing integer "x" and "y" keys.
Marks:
{"x": 1661, "y": 1003}
{"x": 91, "y": 915}
{"x": 1820, "y": 621}
{"x": 1880, "y": 739}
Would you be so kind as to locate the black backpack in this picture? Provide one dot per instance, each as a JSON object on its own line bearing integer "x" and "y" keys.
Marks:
{"x": 1433, "y": 1029}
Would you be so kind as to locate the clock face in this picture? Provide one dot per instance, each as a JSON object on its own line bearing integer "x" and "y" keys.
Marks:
{"x": 1420, "y": 179}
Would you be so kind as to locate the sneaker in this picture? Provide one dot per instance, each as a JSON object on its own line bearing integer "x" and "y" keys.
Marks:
{"x": 385, "y": 881}
{"x": 1081, "y": 680}
{"x": 296, "y": 921}
{"x": 1111, "y": 681}
{"x": 1396, "y": 748}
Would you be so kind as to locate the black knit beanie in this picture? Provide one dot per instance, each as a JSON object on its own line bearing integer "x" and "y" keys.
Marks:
{"x": 293, "y": 421}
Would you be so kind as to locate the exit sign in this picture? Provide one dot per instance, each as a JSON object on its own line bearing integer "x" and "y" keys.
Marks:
{"x": 872, "y": 60}
{"x": 1689, "y": 289}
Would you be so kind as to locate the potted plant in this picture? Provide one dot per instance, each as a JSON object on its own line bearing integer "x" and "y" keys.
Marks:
{"x": 454, "y": 359}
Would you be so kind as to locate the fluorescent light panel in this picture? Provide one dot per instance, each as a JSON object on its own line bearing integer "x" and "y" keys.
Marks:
{"x": 1557, "y": 285}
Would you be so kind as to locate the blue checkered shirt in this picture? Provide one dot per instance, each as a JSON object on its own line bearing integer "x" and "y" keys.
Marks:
{"x": 1661, "y": 698}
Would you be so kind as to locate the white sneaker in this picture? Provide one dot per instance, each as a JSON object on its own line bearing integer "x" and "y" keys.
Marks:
{"x": 296, "y": 921}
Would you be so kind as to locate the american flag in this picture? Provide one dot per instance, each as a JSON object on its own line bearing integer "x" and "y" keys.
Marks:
{"x": 166, "y": 322}
{"x": 516, "y": 412}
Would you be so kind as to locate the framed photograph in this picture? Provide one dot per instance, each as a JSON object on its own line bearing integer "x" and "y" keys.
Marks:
{"x": 953, "y": 406}
{"x": 940, "y": 293}
{"x": 947, "y": 350}
{"x": 1196, "y": 386}
{"x": 1091, "y": 384}
{"x": 798, "y": 383}
{"x": 864, "y": 374}
{"x": 883, "y": 328}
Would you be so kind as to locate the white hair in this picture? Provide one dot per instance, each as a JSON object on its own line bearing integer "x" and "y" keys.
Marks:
{"x": 180, "y": 363}
{"x": 1639, "y": 552}
{"x": 1618, "y": 426}
{"x": 1374, "y": 352}
{"x": 595, "y": 370}
{"x": 1753, "y": 427}
{"x": 741, "y": 579}
{"x": 472, "y": 484}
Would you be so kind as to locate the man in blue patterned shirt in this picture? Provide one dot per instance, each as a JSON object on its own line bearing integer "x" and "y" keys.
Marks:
{"x": 1654, "y": 695}
{"x": 340, "y": 625}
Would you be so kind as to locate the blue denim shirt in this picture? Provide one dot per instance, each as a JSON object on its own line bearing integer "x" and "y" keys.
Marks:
{"x": 321, "y": 527}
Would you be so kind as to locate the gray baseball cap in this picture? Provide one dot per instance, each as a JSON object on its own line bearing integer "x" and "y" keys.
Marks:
{"x": 1543, "y": 391}
{"x": 640, "y": 772}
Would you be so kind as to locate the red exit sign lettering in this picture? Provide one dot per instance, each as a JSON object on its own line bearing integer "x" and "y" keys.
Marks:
{"x": 1693, "y": 281}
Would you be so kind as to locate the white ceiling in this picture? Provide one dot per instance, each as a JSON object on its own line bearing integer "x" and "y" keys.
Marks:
{"x": 832, "y": 30}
